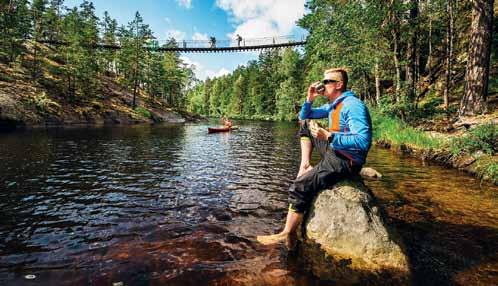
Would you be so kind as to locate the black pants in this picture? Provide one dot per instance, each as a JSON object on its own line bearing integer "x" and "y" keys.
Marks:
{"x": 332, "y": 168}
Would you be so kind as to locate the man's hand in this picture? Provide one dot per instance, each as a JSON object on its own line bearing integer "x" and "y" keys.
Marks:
{"x": 318, "y": 132}
{"x": 312, "y": 94}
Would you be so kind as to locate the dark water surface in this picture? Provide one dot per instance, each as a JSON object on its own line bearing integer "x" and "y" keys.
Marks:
{"x": 172, "y": 205}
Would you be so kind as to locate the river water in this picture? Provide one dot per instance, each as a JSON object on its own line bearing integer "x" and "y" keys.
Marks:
{"x": 172, "y": 205}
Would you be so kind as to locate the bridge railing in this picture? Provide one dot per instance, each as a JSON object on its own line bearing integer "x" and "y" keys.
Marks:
{"x": 236, "y": 43}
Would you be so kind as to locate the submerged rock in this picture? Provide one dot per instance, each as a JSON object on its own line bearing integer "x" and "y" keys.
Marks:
{"x": 347, "y": 239}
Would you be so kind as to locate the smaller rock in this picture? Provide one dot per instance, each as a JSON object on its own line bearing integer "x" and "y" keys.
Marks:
{"x": 368, "y": 172}
{"x": 30, "y": 276}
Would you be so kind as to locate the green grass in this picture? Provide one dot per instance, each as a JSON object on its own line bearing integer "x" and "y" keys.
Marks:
{"x": 398, "y": 133}
{"x": 480, "y": 139}
{"x": 483, "y": 139}
{"x": 487, "y": 167}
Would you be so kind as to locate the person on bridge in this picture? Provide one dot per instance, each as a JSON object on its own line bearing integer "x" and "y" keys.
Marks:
{"x": 239, "y": 39}
{"x": 212, "y": 41}
{"x": 343, "y": 147}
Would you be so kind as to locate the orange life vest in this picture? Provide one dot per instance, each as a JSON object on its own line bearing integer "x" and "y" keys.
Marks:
{"x": 335, "y": 120}
{"x": 335, "y": 126}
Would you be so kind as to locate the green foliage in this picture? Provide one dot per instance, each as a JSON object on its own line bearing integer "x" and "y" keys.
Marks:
{"x": 285, "y": 104}
{"x": 143, "y": 112}
{"x": 487, "y": 166}
{"x": 44, "y": 104}
{"x": 109, "y": 28}
{"x": 15, "y": 27}
{"x": 80, "y": 31}
{"x": 482, "y": 138}
{"x": 264, "y": 89}
{"x": 398, "y": 133}
{"x": 77, "y": 66}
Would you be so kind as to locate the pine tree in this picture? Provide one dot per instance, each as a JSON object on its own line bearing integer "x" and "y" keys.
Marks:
{"x": 15, "y": 24}
{"x": 131, "y": 58}
{"x": 474, "y": 100}
{"x": 109, "y": 28}
{"x": 38, "y": 10}
{"x": 53, "y": 20}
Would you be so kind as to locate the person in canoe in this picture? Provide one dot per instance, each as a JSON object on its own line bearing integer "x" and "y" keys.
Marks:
{"x": 226, "y": 123}
{"x": 343, "y": 147}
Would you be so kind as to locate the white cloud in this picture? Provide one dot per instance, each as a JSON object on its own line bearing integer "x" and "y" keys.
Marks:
{"x": 197, "y": 66}
{"x": 213, "y": 74}
{"x": 222, "y": 72}
{"x": 185, "y": 3}
{"x": 201, "y": 72}
{"x": 263, "y": 18}
{"x": 176, "y": 34}
{"x": 200, "y": 37}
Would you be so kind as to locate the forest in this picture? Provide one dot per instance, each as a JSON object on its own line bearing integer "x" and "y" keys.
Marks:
{"x": 76, "y": 70}
{"x": 411, "y": 59}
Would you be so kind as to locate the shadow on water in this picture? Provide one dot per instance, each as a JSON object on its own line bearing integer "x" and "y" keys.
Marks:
{"x": 172, "y": 205}
{"x": 445, "y": 253}
{"x": 447, "y": 220}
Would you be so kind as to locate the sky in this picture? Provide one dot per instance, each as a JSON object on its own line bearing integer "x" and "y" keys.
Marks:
{"x": 201, "y": 19}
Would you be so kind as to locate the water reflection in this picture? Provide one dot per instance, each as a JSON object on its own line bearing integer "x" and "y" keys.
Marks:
{"x": 172, "y": 205}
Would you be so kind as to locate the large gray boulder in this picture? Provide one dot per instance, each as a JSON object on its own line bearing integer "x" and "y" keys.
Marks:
{"x": 345, "y": 238}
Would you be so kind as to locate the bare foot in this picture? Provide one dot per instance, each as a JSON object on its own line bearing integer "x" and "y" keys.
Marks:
{"x": 303, "y": 170}
{"x": 272, "y": 239}
{"x": 291, "y": 242}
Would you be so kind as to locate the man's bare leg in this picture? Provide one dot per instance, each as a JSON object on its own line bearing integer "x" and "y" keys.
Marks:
{"x": 293, "y": 218}
{"x": 292, "y": 222}
{"x": 306, "y": 149}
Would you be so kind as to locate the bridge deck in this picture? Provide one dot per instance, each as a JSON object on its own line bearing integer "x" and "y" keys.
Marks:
{"x": 194, "y": 49}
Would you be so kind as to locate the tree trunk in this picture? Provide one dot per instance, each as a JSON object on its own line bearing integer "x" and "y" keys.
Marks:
{"x": 135, "y": 87}
{"x": 449, "y": 53}
{"x": 395, "y": 35}
{"x": 477, "y": 72}
{"x": 411, "y": 50}
{"x": 366, "y": 87}
{"x": 429, "y": 56}
{"x": 396, "y": 64}
{"x": 377, "y": 84}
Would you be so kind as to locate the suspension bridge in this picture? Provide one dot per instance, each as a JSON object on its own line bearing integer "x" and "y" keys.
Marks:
{"x": 206, "y": 46}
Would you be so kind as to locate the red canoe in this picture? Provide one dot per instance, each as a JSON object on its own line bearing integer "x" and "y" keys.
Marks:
{"x": 218, "y": 129}
{"x": 221, "y": 129}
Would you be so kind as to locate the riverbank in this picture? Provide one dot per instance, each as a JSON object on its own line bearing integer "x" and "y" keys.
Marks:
{"x": 467, "y": 147}
{"x": 25, "y": 102}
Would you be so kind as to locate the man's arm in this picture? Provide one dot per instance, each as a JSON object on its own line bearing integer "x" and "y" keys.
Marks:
{"x": 359, "y": 124}
{"x": 307, "y": 112}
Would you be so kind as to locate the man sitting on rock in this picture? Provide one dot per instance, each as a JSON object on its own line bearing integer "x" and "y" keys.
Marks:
{"x": 343, "y": 147}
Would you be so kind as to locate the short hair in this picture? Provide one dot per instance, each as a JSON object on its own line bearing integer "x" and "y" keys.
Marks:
{"x": 342, "y": 71}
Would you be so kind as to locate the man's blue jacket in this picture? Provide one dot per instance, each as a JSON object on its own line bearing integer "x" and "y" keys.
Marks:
{"x": 354, "y": 137}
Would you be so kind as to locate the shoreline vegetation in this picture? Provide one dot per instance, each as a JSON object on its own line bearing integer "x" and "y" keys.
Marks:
{"x": 473, "y": 150}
